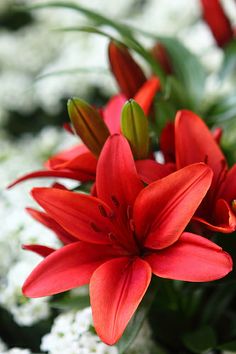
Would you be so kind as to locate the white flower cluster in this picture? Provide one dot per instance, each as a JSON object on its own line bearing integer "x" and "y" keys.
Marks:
{"x": 2, "y": 346}
{"x": 73, "y": 333}
{"x": 17, "y": 227}
{"x": 37, "y": 49}
{"x": 17, "y": 351}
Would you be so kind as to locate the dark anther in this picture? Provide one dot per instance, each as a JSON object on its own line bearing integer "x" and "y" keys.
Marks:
{"x": 102, "y": 210}
{"x": 94, "y": 227}
{"x": 115, "y": 201}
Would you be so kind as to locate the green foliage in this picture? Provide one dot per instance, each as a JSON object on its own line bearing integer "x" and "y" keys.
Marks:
{"x": 222, "y": 110}
{"x": 137, "y": 321}
{"x": 70, "y": 302}
{"x": 200, "y": 340}
{"x": 188, "y": 71}
{"x": 228, "y": 66}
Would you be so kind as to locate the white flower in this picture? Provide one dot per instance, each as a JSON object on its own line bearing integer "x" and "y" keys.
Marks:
{"x": 18, "y": 227}
{"x": 25, "y": 311}
{"x": 2, "y": 346}
{"x": 71, "y": 334}
{"x": 66, "y": 51}
{"x": 17, "y": 351}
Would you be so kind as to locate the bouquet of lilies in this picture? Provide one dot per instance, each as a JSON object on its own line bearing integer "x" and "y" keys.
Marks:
{"x": 151, "y": 224}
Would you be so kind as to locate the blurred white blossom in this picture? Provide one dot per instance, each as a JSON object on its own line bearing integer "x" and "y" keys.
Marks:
{"x": 73, "y": 333}
{"x": 2, "y": 346}
{"x": 18, "y": 227}
{"x": 4, "y": 350}
{"x": 37, "y": 49}
{"x": 17, "y": 351}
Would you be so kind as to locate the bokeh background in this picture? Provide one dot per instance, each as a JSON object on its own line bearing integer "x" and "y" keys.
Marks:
{"x": 40, "y": 68}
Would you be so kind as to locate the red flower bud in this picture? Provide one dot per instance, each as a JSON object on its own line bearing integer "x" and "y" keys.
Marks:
{"x": 161, "y": 56}
{"x": 218, "y": 22}
{"x": 127, "y": 72}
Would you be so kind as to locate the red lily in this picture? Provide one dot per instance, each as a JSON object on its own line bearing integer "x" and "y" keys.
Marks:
{"x": 194, "y": 142}
{"x": 79, "y": 163}
{"x": 214, "y": 15}
{"x": 167, "y": 141}
{"x": 125, "y": 235}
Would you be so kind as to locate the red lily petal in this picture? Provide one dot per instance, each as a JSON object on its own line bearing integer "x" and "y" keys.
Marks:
{"x": 228, "y": 190}
{"x": 69, "y": 267}
{"x": 217, "y": 134}
{"x": 150, "y": 170}
{"x": 83, "y": 216}
{"x": 47, "y": 221}
{"x": 112, "y": 113}
{"x": 117, "y": 182}
{"x": 76, "y": 175}
{"x": 41, "y": 250}
{"x": 116, "y": 289}
{"x": 223, "y": 219}
{"x": 58, "y": 185}
{"x": 216, "y": 19}
{"x": 164, "y": 208}
{"x": 167, "y": 142}
{"x": 78, "y": 158}
{"x": 145, "y": 95}
{"x": 194, "y": 142}
{"x": 191, "y": 258}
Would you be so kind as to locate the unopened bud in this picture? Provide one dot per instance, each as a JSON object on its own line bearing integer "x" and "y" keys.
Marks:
{"x": 134, "y": 126}
{"x": 88, "y": 124}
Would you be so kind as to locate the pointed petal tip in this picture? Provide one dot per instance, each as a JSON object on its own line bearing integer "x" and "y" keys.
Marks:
{"x": 230, "y": 262}
{"x": 201, "y": 260}
{"x": 116, "y": 289}
{"x": 115, "y": 137}
{"x": 37, "y": 191}
{"x": 40, "y": 250}
{"x": 164, "y": 208}
{"x": 9, "y": 186}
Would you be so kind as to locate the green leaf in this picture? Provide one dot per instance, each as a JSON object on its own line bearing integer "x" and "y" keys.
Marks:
{"x": 187, "y": 69}
{"x": 218, "y": 302}
{"x": 126, "y": 32}
{"x": 134, "y": 126}
{"x": 137, "y": 321}
{"x": 165, "y": 110}
{"x": 228, "y": 66}
{"x": 73, "y": 71}
{"x": 200, "y": 340}
{"x": 71, "y": 302}
{"x": 222, "y": 110}
{"x": 87, "y": 29}
{"x": 228, "y": 346}
{"x": 175, "y": 92}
